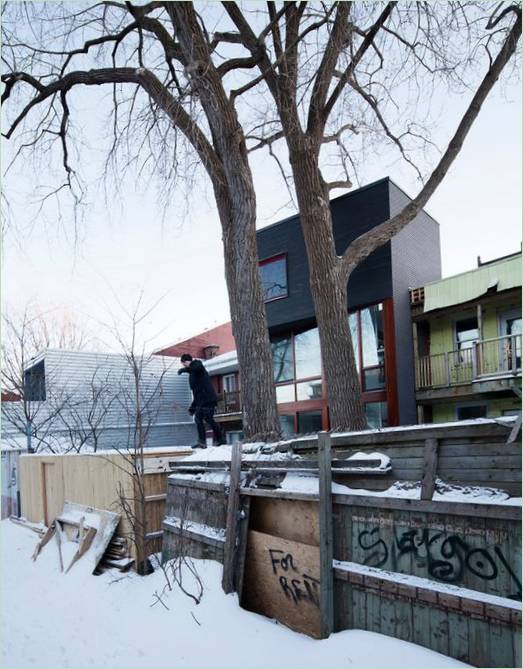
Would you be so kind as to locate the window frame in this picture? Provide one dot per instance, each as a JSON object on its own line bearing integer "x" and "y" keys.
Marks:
{"x": 274, "y": 258}
{"x": 471, "y": 405}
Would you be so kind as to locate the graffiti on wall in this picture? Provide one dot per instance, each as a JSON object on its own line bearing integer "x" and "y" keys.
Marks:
{"x": 447, "y": 557}
{"x": 297, "y": 586}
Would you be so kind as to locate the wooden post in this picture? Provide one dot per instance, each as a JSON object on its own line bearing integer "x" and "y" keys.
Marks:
{"x": 479, "y": 314}
{"x": 233, "y": 509}
{"x": 430, "y": 465}
{"x": 326, "y": 539}
{"x": 475, "y": 360}
{"x": 447, "y": 370}
{"x": 416, "y": 355}
{"x": 242, "y": 545}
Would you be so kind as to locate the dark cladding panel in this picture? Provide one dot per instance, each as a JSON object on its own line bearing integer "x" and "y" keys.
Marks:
{"x": 353, "y": 214}
{"x": 416, "y": 260}
{"x": 286, "y": 238}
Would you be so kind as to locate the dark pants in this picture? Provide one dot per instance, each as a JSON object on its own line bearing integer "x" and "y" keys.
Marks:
{"x": 207, "y": 414}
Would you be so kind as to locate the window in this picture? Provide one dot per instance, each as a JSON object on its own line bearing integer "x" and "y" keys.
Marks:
{"x": 376, "y": 413}
{"x": 285, "y": 394}
{"x": 287, "y": 425}
{"x": 353, "y": 325}
{"x": 308, "y": 355}
{"x": 466, "y": 334}
{"x": 233, "y": 437}
{"x": 309, "y": 390}
{"x": 229, "y": 383}
{"x": 309, "y": 421}
{"x": 510, "y": 326}
{"x": 34, "y": 383}
{"x": 282, "y": 359}
{"x": 468, "y": 412}
{"x": 273, "y": 274}
{"x": 373, "y": 348}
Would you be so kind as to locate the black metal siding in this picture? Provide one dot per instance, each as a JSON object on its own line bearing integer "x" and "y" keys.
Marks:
{"x": 353, "y": 214}
{"x": 416, "y": 260}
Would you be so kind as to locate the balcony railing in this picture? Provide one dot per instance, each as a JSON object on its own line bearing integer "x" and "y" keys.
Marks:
{"x": 488, "y": 358}
{"x": 229, "y": 402}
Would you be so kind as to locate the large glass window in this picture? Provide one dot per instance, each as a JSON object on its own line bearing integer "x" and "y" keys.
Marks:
{"x": 376, "y": 413}
{"x": 273, "y": 274}
{"x": 285, "y": 394}
{"x": 309, "y": 390}
{"x": 308, "y": 355}
{"x": 298, "y": 368}
{"x": 373, "y": 348}
{"x": 372, "y": 336}
{"x": 282, "y": 359}
{"x": 353, "y": 325}
{"x": 309, "y": 421}
{"x": 287, "y": 425}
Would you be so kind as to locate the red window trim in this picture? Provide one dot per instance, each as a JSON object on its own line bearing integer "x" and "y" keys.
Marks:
{"x": 266, "y": 261}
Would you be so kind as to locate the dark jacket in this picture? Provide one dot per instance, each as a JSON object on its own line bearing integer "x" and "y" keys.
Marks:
{"x": 203, "y": 391}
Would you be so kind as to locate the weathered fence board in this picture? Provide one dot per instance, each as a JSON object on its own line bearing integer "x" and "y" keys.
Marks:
{"x": 442, "y": 574}
{"x": 282, "y": 581}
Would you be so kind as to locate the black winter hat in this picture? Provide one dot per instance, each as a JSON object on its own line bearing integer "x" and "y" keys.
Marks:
{"x": 186, "y": 357}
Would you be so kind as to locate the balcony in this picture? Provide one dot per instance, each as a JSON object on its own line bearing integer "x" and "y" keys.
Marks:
{"x": 229, "y": 403}
{"x": 486, "y": 360}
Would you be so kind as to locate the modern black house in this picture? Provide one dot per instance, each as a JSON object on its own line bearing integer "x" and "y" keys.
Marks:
{"x": 378, "y": 308}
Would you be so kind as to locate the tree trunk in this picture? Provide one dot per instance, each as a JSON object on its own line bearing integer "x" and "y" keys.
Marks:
{"x": 249, "y": 323}
{"x": 329, "y": 291}
{"x": 235, "y": 196}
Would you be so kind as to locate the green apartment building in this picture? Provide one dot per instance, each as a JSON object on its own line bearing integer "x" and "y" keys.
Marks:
{"x": 467, "y": 343}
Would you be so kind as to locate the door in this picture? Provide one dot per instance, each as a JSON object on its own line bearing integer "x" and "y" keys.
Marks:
{"x": 510, "y": 329}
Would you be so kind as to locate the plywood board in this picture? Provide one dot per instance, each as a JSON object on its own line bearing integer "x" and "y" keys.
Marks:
{"x": 282, "y": 581}
{"x": 294, "y": 520}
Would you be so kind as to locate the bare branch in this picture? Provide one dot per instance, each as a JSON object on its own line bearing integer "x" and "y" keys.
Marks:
{"x": 264, "y": 141}
{"x": 362, "y": 49}
{"x": 149, "y": 82}
{"x": 364, "y": 245}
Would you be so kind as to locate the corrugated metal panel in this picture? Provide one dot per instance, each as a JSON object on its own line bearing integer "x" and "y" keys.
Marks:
{"x": 465, "y": 287}
{"x": 95, "y": 393}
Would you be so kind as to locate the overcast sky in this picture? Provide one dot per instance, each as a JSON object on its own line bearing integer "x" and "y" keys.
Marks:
{"x": 124, "y": 247}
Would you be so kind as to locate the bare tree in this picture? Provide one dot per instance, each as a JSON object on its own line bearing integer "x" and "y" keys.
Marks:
{"x": 137, "y": 393}
{"x": 334, "y": 72}
{"x": 157, "y": 59}
{"x": 85, "y": 415}
{"x": 343, "y": 70}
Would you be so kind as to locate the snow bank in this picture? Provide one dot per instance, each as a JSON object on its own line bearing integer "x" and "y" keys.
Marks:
{"x": 112, "y": 621}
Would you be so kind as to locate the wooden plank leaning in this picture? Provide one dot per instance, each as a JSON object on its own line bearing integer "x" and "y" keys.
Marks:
{"x": 430, "y": 465}
{"x": 233, "y": 509}
{"x": 326, "y": 537}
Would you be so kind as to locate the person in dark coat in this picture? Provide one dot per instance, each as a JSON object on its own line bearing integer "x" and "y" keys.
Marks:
{"x": 204, "y": 399}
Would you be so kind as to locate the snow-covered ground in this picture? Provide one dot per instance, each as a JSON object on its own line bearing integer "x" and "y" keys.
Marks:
{"x": 52, "y": 620}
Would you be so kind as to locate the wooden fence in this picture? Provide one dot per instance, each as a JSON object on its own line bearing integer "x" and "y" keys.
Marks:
{"x": 101, "y": 480}
{"x": 445, "y": 575}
